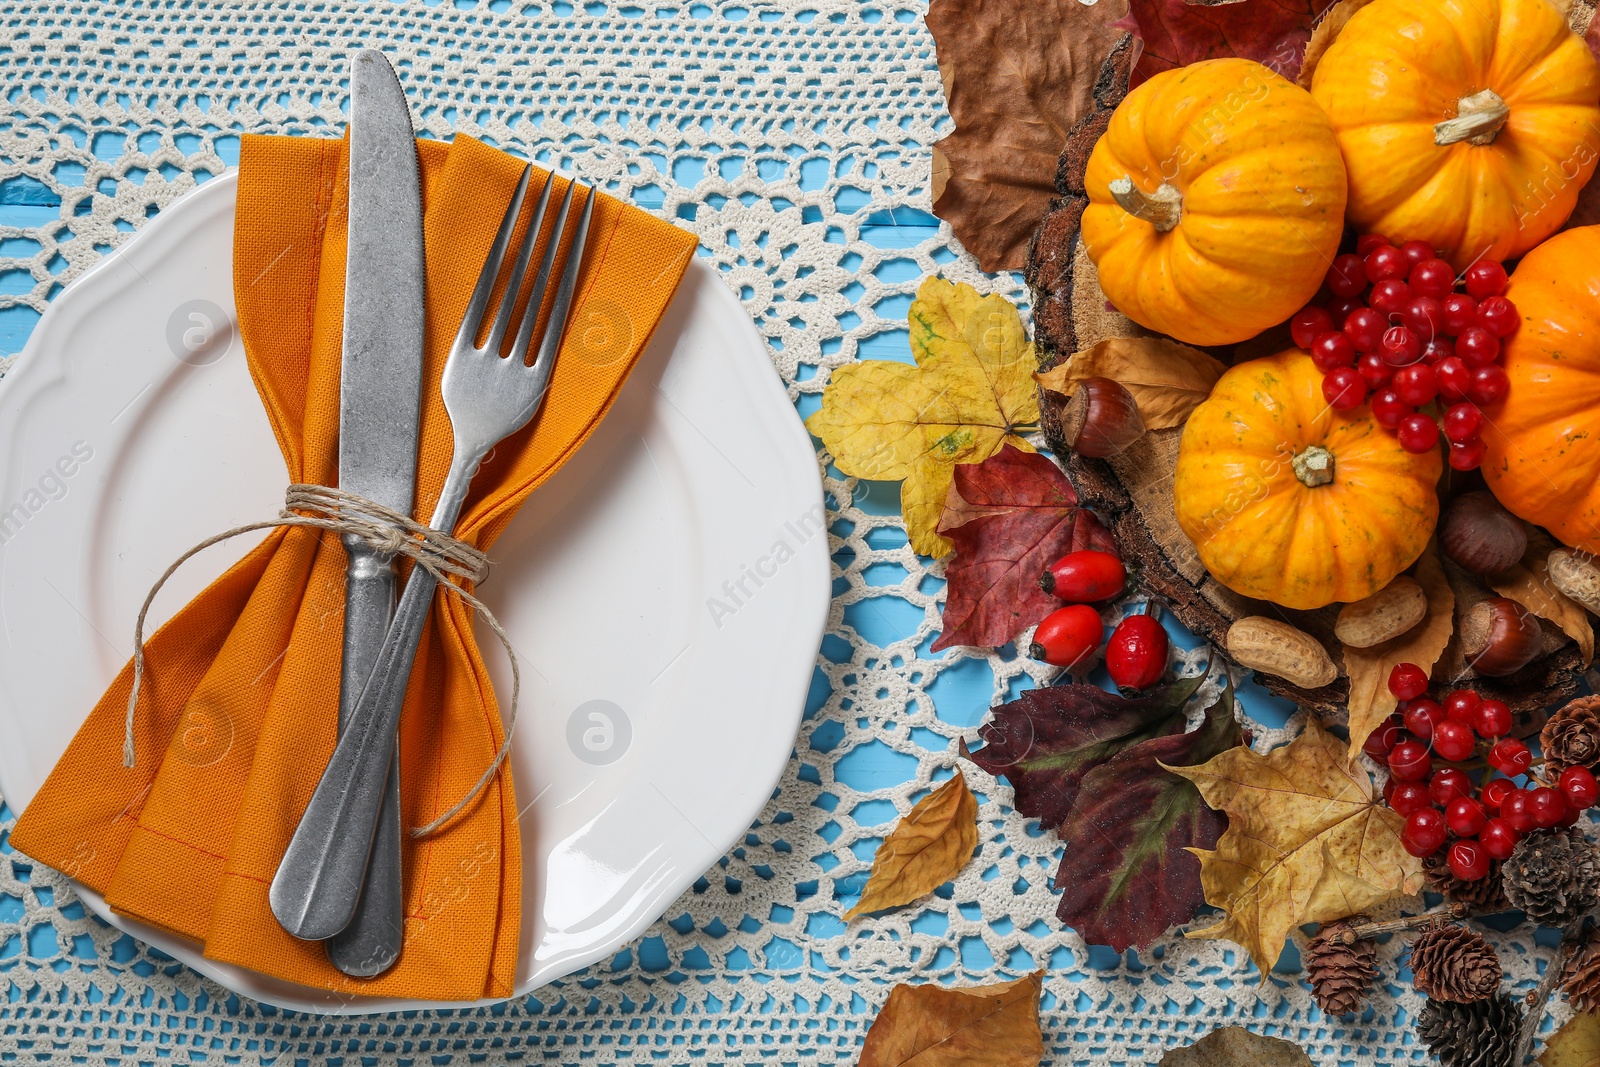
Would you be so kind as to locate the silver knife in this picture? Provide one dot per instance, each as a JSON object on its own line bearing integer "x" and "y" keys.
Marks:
{"x": 380, "y": 397}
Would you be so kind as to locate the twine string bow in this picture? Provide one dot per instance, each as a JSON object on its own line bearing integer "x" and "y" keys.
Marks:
{"x": 386, "y": 531}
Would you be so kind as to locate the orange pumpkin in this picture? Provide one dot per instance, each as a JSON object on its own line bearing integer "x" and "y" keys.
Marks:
{"x": 1542, "y": 442}
{"x": 1469, "y": 124}
{"x": 1291, "y": 501}
{"x": 1216, "y": 201}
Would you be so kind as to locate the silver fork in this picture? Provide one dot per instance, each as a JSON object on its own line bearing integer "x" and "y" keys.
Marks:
{"x": 488, "y": 398}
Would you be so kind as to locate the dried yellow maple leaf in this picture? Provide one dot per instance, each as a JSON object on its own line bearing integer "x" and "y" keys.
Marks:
{"x": 1528, "y": 583}
{"x": 1168, "y": 380}
{"x": 969, "y": 393}
{"x": 977, "y": 1026}
{"x": 1577, "y": 1044}
{"x": 925, "y": 850}
{"x": 1309, "y": 839}
{"x": 1423, "y": 644}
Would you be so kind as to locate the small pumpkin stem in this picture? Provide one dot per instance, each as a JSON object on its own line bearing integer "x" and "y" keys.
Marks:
{"x": 1314, "y": 466}
{"x": 1161, "y": 209}
{"x": 1478, "y": 118}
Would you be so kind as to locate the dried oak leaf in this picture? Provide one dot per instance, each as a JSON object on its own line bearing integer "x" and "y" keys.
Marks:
{"x": 1423, "y": 644}
{"x": 1046, "y": 740}
{"x": 971, "y": 387}
{"x": 1017, "y": 76}
{"x": 1127, "y": 874}
{"x": 1576, "y": 1044}
{"x": 977, "y": 1026}
{"x": 926, "y": 849}
{"x": 1176, "y": 33}
{"x": 1234, "y": 1046}
{"x": 1168, "y": 380}
{"x": 1309, "y": 839}
{"x": 1528, "y": 583}
{"x": 1008, "y": 518}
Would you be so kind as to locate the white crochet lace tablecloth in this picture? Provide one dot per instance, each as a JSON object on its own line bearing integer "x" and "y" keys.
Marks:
{"x": 793, "y": 138}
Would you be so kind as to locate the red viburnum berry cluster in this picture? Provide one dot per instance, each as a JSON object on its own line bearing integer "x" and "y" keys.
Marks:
{"x": 1412, "y": 339}
{"x": 1485, "y": 820}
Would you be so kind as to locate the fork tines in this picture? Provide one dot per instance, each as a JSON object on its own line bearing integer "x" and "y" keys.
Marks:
{"x": 472, "y": 321}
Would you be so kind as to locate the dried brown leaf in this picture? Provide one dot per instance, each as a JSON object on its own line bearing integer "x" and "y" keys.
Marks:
{"x": 1368, "y": 668}
{"x": 1324, "y": 33}
{"x": 1576, "y": 1044}
{"x": 1234, "y": 1046}
{"x": 978, "y": 1026}
{"x": 1528, "y": 583}
{"x": 926, "y": 849}
{"x": 1017, "y": 77}
{"x": 1168, "y": 380}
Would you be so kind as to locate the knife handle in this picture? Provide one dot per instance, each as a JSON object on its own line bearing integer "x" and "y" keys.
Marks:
{"x": 371, "y": 943}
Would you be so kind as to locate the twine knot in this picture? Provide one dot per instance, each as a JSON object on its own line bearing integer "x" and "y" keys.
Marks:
{"x": 384, "y": 530}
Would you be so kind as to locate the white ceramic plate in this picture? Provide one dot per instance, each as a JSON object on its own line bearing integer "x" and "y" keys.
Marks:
{"x": 661, "y": 704}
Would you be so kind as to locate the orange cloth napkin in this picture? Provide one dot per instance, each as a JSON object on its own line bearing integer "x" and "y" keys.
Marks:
{"x": 238, "y": 712}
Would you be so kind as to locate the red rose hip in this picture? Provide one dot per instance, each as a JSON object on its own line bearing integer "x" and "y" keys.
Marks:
{"x": 1387, "y": 407}
{"x": 1495, "y": 793}
{"x": 1085, "y": 576}
{"x": 1332, "y": 349}
{"x": 1381, "y": 741}
{"x": 1432, "y": 277}
{"x": 1460, "y": 311}
{"x": 1547, "y": 807}
{"x": 1344, "y": 388}
{"x": 1514, "y": 810}
{"x": 1067, "y": 636}
{"x": 1136, "y": 654}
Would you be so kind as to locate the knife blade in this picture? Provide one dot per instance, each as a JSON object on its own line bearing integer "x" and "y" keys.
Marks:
{"x": 380, "y": 393}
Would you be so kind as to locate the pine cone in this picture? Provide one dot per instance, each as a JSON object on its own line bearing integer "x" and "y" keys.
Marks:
{"x": 1553, "y": 875}
{"x": 1484, "y": 895}
{"x": 1454, "y": 963}
{"x": 1341, "y": 970}
{"x": 1480, "y": 1034}
{"x": 1580, "y": 980}
{"x": 1571, "y": 737}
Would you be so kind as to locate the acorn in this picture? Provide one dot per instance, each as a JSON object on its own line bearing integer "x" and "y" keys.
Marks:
{"x": 1499, "y": 637}
{"x": 1479, "y": 534}
{"x": 1101, "y": 419}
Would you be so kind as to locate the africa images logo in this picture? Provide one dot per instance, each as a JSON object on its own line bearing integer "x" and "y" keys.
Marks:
{"x": 51, "y": 485}
{"x": 737, "y": 591}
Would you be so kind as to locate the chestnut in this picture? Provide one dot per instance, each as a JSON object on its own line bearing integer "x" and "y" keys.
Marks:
{"x": 1500, "y": 637}
{"x": 1479, "y": 534}
{"x": 1101, "y": 419}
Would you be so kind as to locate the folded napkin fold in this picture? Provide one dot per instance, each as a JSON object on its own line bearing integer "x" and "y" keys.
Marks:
{"x": 237, "y": 714}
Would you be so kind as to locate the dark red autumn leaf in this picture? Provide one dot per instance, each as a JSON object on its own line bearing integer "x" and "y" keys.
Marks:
{"x": 1047, "y": 740}
{"x": 1176, "y": 33}
{"x": 1009, "y": 518}
{"x": 1125, "y": 874}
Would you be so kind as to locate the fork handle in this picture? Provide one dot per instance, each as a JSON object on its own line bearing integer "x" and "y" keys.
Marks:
{"x": 318, "y": 883}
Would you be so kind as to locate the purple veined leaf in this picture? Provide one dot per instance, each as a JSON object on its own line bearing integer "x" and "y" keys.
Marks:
{"x": 1047, "y": 740}
{"x": 1126, "y": 874}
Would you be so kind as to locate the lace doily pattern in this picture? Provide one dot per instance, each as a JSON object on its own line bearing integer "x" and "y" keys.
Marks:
{"x": 793, "y": 138}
